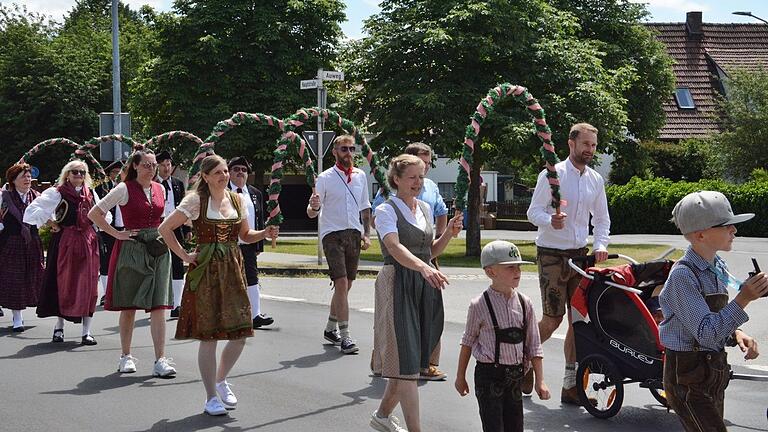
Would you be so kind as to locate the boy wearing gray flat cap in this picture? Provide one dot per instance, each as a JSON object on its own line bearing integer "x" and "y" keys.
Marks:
{"x": 699, "y": 320}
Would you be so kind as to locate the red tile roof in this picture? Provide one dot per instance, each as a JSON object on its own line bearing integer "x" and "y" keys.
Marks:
{"x": 727, "y": 46}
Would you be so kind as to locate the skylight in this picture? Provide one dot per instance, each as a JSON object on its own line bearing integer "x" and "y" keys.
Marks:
{"x": 684, "y": 98}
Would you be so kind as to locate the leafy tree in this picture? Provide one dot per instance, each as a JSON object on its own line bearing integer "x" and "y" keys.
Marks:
{"x": 427, "y": 63}
{"x": 744, "y": 141}
{"x": 218, "y": 57}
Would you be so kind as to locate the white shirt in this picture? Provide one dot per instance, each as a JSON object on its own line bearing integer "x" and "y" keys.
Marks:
{"x": 386, "y": 217}
{"x": 190, "y": 206}
{"x": 250, "y": 211}
{"x": 584, "y": 194}
{"x": 118, "y": 196}
{"x": 340, "y": 206}
{"x": 43, "y": 208}
{"x": 170, "y": 204}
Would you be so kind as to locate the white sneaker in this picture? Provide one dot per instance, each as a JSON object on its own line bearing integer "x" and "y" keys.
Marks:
{"x": 389, "y": 424}
{"x": 163, "y": 368}
{"x": 214, "y": 407}
{"x": 225, "y": 394}
{"x": 127, "y": 364}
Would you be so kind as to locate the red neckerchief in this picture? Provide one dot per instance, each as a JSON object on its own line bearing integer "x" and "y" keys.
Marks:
{"x": 347, "y": 171}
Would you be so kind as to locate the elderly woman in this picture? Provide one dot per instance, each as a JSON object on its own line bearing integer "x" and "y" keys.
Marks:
{"x": 214, "y": 305}
{"x": 409, "y": 307}
{"x": 140, "y": 266}
{"x": 20, "y": 249}
{"x": 71, "y": 276}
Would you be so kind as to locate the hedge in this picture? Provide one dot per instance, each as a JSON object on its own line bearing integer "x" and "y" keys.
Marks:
{"x": 645, "y": 206}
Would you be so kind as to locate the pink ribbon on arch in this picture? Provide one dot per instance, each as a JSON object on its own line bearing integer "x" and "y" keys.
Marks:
{"x": 518, "y": 90}
{"x": 465, "y": 165}
{"x": 275, "y": 211}
{"x": 469, "y": 143}
{"x": 481, "y": 110}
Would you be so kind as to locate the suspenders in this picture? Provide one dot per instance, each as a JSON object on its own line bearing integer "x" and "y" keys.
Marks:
{"x": 511, "y": 335}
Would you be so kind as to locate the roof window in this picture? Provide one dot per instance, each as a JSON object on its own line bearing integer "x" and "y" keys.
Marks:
{"x": 684, "y": 98}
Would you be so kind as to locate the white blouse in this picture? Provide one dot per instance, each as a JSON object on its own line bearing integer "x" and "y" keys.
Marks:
{"x": 190, "y": 206}
{"x": 118, "y": 196}
{"x": 41, "y": 210}
{"x": 386, "y": 217}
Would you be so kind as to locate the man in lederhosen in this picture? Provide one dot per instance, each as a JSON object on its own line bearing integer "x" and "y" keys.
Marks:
{"x": 106, "y": 241}
{"x": 174, "y": 192}
{"x": 239, "y": 169}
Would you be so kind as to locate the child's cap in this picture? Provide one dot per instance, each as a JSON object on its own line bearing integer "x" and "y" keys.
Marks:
{"x": 702, "y": 210}
{"x": 500, "y": 252}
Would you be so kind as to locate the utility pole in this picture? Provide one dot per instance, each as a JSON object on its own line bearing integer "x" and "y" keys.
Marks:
{"x": 116, "y": 109}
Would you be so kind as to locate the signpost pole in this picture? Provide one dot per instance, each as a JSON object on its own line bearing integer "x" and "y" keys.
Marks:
{"x": 117, "y": 127}
{"x": 320, "y": 152}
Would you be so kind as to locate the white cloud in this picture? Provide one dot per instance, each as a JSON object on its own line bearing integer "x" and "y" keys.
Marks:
{"x": 58, "y": 8}
{"x": 675, "y": 5}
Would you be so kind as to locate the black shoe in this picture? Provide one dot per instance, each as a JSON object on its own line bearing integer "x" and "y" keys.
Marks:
{"x": 332, "y": 337}
{"x": 18, "y": 329}
{"x": 262, "y": 320}
{"x": 175, "y": 312}
{"x": 88, "y": 340}
{"x": 348, "y": 346}
{"x": 58, "y": 335}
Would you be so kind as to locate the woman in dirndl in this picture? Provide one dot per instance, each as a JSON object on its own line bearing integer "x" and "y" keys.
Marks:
{"x": 139, "y": 274}
{"x": 408, "y": 318}
{"x": 21, "y": 251}
{"x": 214, "y": 305}
{"x": 71, "y": 277}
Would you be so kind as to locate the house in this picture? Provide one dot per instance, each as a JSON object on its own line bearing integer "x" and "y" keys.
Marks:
{"x": 704, "y": 54}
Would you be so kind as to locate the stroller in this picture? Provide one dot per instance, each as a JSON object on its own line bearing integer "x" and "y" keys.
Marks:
{"x": 616, "y": 336}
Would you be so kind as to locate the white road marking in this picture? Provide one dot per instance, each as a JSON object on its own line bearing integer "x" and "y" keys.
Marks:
{"x": 282, "y": 298}
{"x": 367, "y": 310}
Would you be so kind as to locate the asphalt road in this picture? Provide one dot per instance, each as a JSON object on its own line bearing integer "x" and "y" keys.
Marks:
{"x": 287, "y": 379}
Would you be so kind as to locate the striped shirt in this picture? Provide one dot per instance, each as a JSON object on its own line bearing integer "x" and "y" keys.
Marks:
{"x": 686, "y": 314}
{"x": 479, "y": 334}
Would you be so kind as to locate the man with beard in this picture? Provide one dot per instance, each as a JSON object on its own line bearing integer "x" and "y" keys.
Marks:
{"x": 239, "y": 168}
{"x": 563, "y": 235}
{"x": 342, "y": 202}
{"x": 174, "y": 192}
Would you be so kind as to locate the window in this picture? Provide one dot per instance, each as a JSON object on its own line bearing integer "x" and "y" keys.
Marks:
{"x": 684, "y": 98}
{"x": 446, "y": 190}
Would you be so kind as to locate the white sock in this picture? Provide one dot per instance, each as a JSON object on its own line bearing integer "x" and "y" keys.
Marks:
{"x": 18, "y": 319}
{"x": 87, "y": 325}
{"x": 569, "y": 379}
{"x": 178, "y": 287}
{"x": 60, "y": 323}
{"x": 331, "y": 324}
{"x": 254, "y": 295}
{"x": 344, "y": 329}
{"x": 102, "y": 285}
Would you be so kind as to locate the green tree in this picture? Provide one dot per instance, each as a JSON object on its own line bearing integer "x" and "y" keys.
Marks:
{"x": 744, "y": 141}
{"x": 427, "y": 63}
{"x": 218, "y": 57}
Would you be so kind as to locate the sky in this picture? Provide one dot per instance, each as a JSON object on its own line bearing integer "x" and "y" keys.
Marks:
{"x": 718, "y": 11}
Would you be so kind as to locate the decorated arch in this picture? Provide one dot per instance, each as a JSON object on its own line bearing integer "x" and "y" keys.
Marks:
{"x": 78, "y": 153}
{"x": 482, "y": 111}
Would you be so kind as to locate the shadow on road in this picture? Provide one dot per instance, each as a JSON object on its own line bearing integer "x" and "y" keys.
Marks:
{"x": 194, "y": 423}
{"x": 96, "y": 385}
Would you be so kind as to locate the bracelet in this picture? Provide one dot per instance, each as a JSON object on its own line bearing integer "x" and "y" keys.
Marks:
{"x": 315, "y": 210}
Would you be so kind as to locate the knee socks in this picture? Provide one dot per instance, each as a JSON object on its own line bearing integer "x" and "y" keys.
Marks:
{"x": 87, "y": 325}
{"x": 254, "y": 295}
{"x": 569, "y": 379}
{"x": 59, "y": 324}
{"x": 178, "y": 287}
{"x": 18, "y": 319}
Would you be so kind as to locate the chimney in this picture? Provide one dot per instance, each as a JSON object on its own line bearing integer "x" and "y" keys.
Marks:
{"x": 693, "y": 24}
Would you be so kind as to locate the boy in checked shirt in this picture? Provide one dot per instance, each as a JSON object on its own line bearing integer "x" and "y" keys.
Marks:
{"x": 502, "y": 333}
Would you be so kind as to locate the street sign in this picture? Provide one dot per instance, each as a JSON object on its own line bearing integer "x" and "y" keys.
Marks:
{"x": 106, "y": 127}
{"x": 309, "y": 84}
{"x": 333, "y": 76}
{"x": 34, "y": 171}
{"x": 311, "y": 138}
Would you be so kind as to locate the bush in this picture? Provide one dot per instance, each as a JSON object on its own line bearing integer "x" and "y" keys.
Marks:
{"x": 645, "y": 206}
{"x": 690, "y": 160}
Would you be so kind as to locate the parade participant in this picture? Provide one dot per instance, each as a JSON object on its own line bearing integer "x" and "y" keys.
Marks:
{"x": 21, "y": 251}
{"x": 174, "y": 192}
{"x": 215, "y": 303}
{"x": 430, "y": 194}
{"x": 563, "y": 235}
{"x": 107, "y": 242}
{"x": 239, "y": 168}
{"x": 140, "y": 265}
{"x": 71, "y": 276}
{"x": 699, "y": 321}
{"x": 342, "y": 202}
{"x": 409, "y": 316}
{"x": 503, "y": 335}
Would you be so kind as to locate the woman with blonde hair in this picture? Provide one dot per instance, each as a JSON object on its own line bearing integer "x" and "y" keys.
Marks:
{"x": 139, "y": 274}
{"x": 21, "y": 251}
{"x": 71, "y": 275}
{"x": 214, "y": 305}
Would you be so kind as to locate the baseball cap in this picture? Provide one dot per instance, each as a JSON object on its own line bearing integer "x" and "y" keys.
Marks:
{"x": 500, "y": 252}
{"x": 703, "y": 210}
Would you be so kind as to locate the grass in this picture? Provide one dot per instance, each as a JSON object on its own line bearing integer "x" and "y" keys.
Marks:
{"x": 453, "y": 256}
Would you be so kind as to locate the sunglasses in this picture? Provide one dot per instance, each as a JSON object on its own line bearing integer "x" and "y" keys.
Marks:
{"x": 149, "y": 165}
{"x": 239, "y": 169}
{"x": 345, "y": 149}
{"x": 79, "y": 172}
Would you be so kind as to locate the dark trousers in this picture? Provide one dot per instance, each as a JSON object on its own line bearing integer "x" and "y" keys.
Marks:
{"x": 499, "y": 397}
{"x": 695, "y": 385}
{"x": 177, "y": 265}
{"x": 250, "y": 253}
